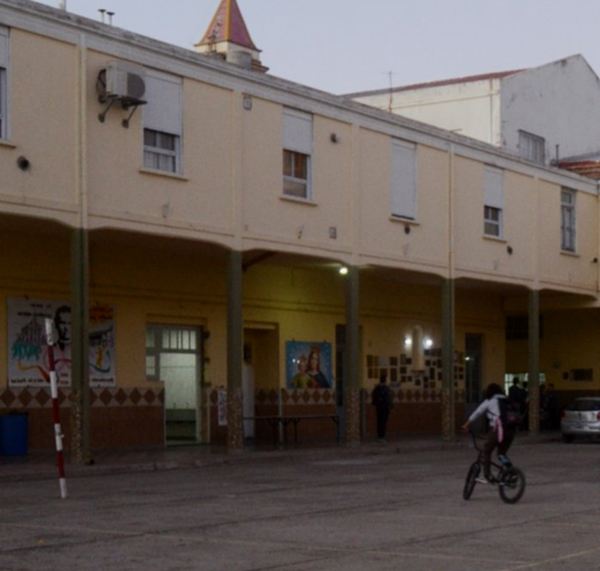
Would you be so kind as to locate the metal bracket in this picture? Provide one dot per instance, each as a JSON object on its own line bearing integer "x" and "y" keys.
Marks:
{"x": 125, "y": 122}
{"x": 102, "y": 115}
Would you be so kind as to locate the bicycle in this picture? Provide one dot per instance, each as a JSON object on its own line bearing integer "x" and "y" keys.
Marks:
{"x": 509, "y": 479}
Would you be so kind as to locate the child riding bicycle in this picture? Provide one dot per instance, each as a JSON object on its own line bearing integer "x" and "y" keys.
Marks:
{"x": 501, "y": 434}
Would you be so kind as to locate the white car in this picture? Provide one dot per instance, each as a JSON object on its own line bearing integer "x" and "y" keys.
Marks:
{"x": 581, "y": 418}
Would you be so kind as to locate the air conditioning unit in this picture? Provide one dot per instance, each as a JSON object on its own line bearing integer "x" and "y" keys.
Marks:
{"x": 123, "y": 81}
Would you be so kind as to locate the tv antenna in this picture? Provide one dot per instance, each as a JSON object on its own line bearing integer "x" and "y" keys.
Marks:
{"x": 391, "y": 100}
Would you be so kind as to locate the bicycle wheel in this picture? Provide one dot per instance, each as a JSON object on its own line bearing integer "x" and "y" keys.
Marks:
{"x": 511, "y": 485}
{"x": 470, "y": 481}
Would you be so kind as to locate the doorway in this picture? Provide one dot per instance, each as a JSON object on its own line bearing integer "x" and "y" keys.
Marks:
{"x": 260, "y": 370}
{"x": 174, "y": 356}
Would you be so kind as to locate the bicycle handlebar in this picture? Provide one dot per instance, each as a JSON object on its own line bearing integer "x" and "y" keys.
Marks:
{"x": 475, "y": 438}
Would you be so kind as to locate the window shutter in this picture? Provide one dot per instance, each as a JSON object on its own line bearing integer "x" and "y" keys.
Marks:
{"x": 493, "y": 193}
{"x": 163, "y": 112}
{"x": 297, "y": 131}
{"x": 3, "y": 47}
{"x": 404, "y": 179}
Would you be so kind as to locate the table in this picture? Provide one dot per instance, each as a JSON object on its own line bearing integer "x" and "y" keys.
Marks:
{"x": 275, "y": 420}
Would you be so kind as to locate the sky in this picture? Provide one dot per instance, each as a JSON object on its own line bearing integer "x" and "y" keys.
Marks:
{"x": 344, "y": 46}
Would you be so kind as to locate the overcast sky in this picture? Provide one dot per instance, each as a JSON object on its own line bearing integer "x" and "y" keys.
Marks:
{"x": 344, "y": 46}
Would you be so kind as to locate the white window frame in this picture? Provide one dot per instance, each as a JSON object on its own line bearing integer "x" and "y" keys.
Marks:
{"x": 532, "y": 147}
{"x": 4, "y": 67}
{"x": 163, "y": 116}
{"x": 158, "y": 155}
{"x": 493, "y": 202}
{"x": 492, "y": 221}
{"x": 294, "y": 184}
{"x": 404, "y": 179}
{"x": 568, "y": 220}
{"x": 297, "y": 141}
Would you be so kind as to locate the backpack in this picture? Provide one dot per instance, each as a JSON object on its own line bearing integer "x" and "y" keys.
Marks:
{"x": 510, "y": 414}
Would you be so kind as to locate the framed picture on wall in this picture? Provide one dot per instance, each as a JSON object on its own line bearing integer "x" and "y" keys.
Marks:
{"x": 308, "y": 365}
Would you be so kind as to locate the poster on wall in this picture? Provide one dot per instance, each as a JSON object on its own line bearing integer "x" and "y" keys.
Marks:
{"x": 308, "y": 365}
{"x": 102, "y": 346}
{"x": 28, "y": 353}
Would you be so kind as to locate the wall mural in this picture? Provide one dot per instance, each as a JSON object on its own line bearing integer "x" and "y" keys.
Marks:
{"x": 308, "y": 365}
{"x": 28, "y": 353}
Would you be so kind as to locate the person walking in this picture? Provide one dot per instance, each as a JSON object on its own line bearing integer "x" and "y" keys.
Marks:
{"x": 382, "y": 401}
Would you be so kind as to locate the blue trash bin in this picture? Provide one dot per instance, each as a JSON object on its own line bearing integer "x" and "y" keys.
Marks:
{"x": 14, "y": 432}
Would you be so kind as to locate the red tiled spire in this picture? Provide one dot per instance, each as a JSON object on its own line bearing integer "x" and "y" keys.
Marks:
{"x": 227, "y": 25}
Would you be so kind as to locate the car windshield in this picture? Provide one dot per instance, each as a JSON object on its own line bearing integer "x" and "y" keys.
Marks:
{"x": 584, "y": 405}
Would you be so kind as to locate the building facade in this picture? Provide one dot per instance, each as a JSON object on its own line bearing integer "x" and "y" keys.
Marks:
{"x": 183, "y": 220}
{"x": 534, "y": 113}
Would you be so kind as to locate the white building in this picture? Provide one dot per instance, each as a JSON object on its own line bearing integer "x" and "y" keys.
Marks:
{"x": 542, "y": 114}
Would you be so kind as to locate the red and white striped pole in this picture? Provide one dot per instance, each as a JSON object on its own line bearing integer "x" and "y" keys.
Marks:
{"x": 60, "y": 457}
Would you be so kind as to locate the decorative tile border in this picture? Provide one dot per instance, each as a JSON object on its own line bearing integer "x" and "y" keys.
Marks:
{"x": 327, "y": 396}
{"x": 39, "y": 398}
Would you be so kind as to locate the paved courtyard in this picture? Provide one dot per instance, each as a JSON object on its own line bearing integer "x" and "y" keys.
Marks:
{"x": 393, "y": 507}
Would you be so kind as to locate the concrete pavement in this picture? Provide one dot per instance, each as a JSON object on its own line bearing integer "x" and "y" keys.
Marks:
{"x": 378, "y": 507}
{"x": 42, "y": 465}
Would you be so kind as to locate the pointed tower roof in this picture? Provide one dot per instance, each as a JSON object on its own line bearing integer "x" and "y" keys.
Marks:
{"x": 227, "y": 25}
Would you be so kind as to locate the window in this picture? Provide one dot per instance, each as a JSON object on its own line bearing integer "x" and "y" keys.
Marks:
{"x": 493, "y": 202}
{"x": 492, "y": 225}
{"x": 3, "y": 82}
{"x": 160, "y": 150}
{"x": 568, "y": 221}
{"x": 582, "y": 375}
{"x": 517, "y": 327}
{"x": 297, "y": 150}
{"x": 532, "y": 147}
{"x": 295, "y": 174}
{"x": 162, "y": 119}
{"x": 404, "y": 179}
{"x": 166, "y": 341}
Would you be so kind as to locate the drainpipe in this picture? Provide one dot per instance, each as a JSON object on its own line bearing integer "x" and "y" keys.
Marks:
{"x": 80, "y": 395}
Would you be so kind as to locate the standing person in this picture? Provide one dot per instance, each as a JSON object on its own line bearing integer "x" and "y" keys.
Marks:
{"x": 382, "y": 401}
{"x": 525, "y": 408}
{"x": 515, "y": 393}
{"x": 500, "y": 436}
{"x": 518, "y": 396}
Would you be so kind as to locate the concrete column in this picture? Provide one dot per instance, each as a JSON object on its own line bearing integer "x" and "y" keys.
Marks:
{"x": 235, "y": 411}
{"x": 80, "y": 389}
{"x": 534, "y": 361}
{"x": 352, "y": 366}
{"x": 448, "y": 421}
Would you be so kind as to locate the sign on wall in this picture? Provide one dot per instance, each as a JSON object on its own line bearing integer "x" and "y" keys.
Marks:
{"x": 28, "y": 353}
{"x": 308, "y": 365}
{"x": 102, "y": 346}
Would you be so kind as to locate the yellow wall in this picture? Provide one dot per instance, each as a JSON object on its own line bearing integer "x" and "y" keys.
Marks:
{"x": 565, "y": 270}
{"x": 569, "y": 341}
{"x": 42, "y": 124}
{"x": 230, "y": 193}
{"x": 384, "y": 239}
